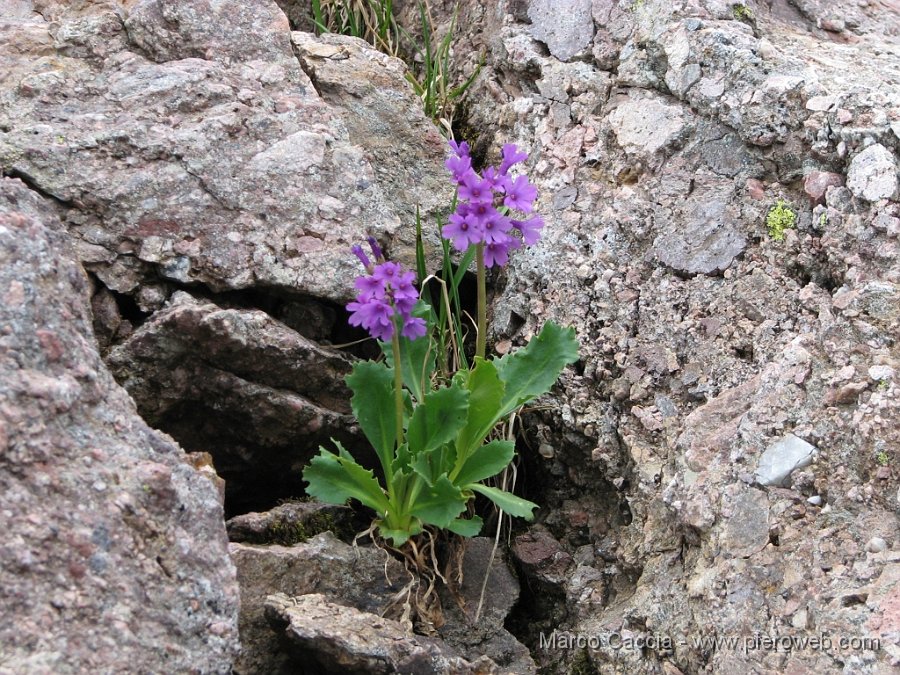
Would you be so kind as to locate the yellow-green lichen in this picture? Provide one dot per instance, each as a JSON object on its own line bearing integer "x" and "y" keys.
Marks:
{"x": 742, "y": 13}
{"x": 781, "y": 217}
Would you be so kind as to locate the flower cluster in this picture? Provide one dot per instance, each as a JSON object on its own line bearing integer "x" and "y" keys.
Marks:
{"x": 480, "y": 217}
{"x": 387, "y": 297}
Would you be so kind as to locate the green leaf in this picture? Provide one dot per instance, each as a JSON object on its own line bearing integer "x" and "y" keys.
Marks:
{"x": 531, "y": 371}
{"x": 401, "y": 460}
{"x": 514, "y": 506}
{"x": 399, "y": 537}
{"x": 466, "y": 528}
{"x": 334, "y": 479}
{"x": 485, "y": 399}
{"x": 438, "y": 418}
{"x": 416, "y": 356}
{"x": 486, "y": 461}
{"x": 439, "y": 504}
{"x": 373, "y": 405}
{"x": 432, "y": 463}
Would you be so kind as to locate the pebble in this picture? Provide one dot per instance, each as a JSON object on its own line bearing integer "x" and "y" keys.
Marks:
{"x": 815, "y": 500}
{"x": 876, "y": 545}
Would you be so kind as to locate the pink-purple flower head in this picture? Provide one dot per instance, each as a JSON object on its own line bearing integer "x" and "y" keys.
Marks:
{"x": 386, "y": 298}
{"x": 478, "y": 218}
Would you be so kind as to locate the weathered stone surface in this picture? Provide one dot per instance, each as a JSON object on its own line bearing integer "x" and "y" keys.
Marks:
{"x": 332, "y": 638}
{"x": 782, "y": 458}
{"x": 192, "y": 146}
{"x": 747, "y": 525}
{"x": 873, "y": 174}
{"x": 565, "y": 26}
{"x": 703, "y": 339}
{"x": 240, "y": 385}
{"x": 289, "y": 523}
{"x": 816, "y": 184}
{"x": 488, "y": 593}
{"x": 115, "y": 556}
{"x": 644, "y": 126}
{"x": 362, "y": 577}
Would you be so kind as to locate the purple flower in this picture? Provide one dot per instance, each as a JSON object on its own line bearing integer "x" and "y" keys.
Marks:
{"x": 520, "y": 194}
{"x": 484, "y": 200}
{"x": 370, "y": 287}
{"x": 492, "y": 177}
{"x": 386, "y": 299}
{"x": 530, "y": 229}
{"x": 404, "y": 289}
{"x": 387, "y": 272}
{"x": 374, "y": 315}
{"x": 496, "y": 254}
{"x": 474, "y": 188}
{"x": 413, "y": 328}
{"x": 376, "y": 249}
{"x": 511, "y": 157}
{"x": 495, "y": 229}
{"x": 459, "y": 149}
{"x": 459, "y": 166}
{"x": 463, "y": 231}
{"x": 359, "y": 253}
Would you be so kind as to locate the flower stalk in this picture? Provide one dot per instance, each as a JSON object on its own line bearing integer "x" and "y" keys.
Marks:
{"x": 481, "y": 338}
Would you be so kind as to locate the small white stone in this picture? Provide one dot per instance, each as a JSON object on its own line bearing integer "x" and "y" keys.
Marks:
{"x": 876, "y": 545}
{"x": 781, "y": 458}
{"x": 879, "y": 373}
{"x": 815, "y": 500}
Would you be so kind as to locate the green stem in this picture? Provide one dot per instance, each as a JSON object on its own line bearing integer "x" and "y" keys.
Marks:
{"x": 398, "y": 387}
{"x": 481, "y": 339}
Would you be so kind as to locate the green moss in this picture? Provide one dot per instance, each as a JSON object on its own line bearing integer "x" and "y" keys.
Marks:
{"x": 742, "y": 13}
{"x": 882, "y": 458}
{"x": 781, "y": 217}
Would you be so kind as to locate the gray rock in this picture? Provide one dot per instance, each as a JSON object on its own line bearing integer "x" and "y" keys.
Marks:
{"x": 290, "y": 523}
{"x": 644, "y": 126}
{"x": 338, "y": 639}
{"x": 115, "y": 555}
{"x": 363, "y": 577}
{"x": 873, "y": 174}
{"x": 487, "y": 635}
{"x": 566, "y": 26}
{"x": 196, "y": 148}
{"x": 747, "y": 528}
{"x": 706, "y": 241}
{"x": 781, "y": 458}
{"x": 254, "y": 393}
{"x": 876, "y": 545}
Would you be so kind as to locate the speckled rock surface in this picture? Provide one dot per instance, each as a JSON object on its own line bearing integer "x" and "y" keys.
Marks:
{"x": 658, "y": 154}
{"x": 254, "y": 393}
{"x": 114, "y": 557}
{"x": 331, "y": 638}
{"x": 188, "y": 144}
{"x": 363, "y": 577}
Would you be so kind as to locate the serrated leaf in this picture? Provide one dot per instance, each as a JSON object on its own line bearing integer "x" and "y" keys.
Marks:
{"x": 439, "y": 504}
{"x": 485, "y": 398}
{"x": 532, "y": 371}
{"x": 514, "y": 506}
{"x": 466, "y": 528}
{"x": 438, "y": 419}
{"x": 401, "y": 460}
{"x": 334, "y": 479}
{"x": 431, "y": 464}
{"x": 416, "y": 356}
{"x": 373, "y": 406}
{"x": 486, "y": 461}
